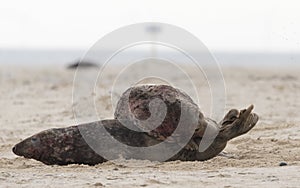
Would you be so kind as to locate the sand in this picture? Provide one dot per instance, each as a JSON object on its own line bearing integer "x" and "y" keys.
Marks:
{"x": 35, "y": 99}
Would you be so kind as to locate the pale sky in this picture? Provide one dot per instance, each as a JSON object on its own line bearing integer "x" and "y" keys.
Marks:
{"x": 229, "y": 25}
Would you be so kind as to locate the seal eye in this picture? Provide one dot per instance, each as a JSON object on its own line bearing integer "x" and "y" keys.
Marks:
{"x": 33, "y": 139}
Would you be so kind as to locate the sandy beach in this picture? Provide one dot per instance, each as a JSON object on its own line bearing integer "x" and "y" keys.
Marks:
{"x": 38, "y": 98}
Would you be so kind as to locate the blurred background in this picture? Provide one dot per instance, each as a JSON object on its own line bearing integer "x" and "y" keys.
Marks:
{"x": 236, "y": 32}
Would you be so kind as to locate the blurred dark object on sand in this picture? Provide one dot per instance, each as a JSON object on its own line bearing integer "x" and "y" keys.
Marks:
{"x": 81, "y": 64}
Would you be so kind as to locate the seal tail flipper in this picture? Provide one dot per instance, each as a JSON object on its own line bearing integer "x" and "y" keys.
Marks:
{"x": 241, "y": 125}
{"x": 230, "y": 117}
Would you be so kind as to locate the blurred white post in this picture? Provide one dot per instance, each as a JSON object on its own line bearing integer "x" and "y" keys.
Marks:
{"x": 153, "y": 30}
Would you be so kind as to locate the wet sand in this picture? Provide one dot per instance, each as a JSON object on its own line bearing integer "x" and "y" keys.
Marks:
{"x": 35, "y": 99}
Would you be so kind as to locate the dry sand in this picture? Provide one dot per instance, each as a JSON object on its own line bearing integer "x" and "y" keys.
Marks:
{"x": 34, "y": 99}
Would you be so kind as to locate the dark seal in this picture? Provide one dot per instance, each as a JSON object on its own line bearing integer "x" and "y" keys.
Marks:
{"x": 64, "y": 146}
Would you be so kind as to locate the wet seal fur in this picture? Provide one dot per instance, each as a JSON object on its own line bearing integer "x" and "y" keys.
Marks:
{"x": 62, "y": 146}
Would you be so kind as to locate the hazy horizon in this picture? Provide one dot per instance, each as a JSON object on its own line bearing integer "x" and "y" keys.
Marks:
{"x": 236, "y": 32}
{"x": 65, "y": 57}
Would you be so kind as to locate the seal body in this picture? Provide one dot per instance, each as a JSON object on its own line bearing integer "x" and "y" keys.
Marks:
{"x": 146, "y": 104}
{"x": 136, "y": 125}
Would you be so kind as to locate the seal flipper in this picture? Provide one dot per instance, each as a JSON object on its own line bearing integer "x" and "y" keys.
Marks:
{"x": 241, "y": 125}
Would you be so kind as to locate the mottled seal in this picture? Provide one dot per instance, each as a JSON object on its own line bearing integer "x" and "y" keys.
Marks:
{"x": 64, "y": 146}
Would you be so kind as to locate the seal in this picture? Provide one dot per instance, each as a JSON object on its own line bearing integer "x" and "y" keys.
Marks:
{"x": 62, "y": 146}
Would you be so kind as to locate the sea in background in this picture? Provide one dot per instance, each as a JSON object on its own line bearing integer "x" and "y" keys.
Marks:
{"x": 65, "y": 57}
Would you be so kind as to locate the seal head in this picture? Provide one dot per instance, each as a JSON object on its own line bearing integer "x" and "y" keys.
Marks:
{"x": 34, "y": 147}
